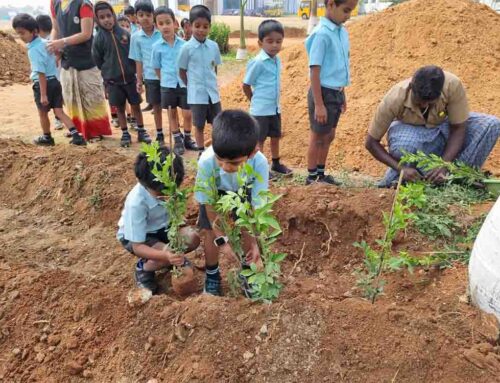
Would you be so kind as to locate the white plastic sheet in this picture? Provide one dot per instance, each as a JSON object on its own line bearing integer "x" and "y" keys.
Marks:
{"x": 484, "y": 265}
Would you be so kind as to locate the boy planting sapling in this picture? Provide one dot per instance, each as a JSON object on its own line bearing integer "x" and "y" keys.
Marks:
{"x": 145, "y": 222}
{"x": 234, "y": 144}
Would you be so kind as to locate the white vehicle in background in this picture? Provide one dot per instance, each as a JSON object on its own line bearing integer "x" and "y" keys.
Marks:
{"x": 370, "y": 6}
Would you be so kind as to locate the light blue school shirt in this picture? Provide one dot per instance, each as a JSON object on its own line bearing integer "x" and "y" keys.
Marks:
{"x": 328, "y": 47}
{"x": 133, "y": 28}
{"x": 164, "y": 57}
{"x": 141, "y": 214}
{"x": 40, "y": 59}
{"x": 207, "y": 167}
{"x": 141, "y": 46}
{"x": 200, "y": 60}
{"x": 264, "y": 76}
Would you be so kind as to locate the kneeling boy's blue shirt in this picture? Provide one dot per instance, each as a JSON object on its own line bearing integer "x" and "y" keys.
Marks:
{"x": 264, "y": 76}
{"x": 328, "y": 47}
{"x": 142, "y": 214}
{"x": 207, "y": 167}
{"x": 40, "y": 59}
{"x": 164, "y": 57}
{"x": 141, "y": 46}
{"x": 200, "y": 61}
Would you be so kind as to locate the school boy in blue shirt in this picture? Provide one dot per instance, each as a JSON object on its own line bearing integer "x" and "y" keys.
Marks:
{"x": 142, "y": 229}
{"x": 141, "y": 47}
{"x": 234, "y": 143}
{"x": 328, "y": 50}
{"x": 46, "y": 87}
{"x": 132, "y": 18}
{"x": 173, "y": 89}
{"x": 262, "y": 86}
{"x": 197, "y": 63}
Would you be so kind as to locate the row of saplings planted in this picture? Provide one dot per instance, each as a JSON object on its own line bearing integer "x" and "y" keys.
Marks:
{"x": 235, "y": 215}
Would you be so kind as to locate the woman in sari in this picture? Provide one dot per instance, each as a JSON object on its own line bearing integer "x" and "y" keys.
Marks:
{"x": 81, "y": 81}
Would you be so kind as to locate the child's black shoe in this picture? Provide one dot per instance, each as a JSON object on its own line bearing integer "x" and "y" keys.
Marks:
{"x": 143, "y": 136}
{"x": 179, "y": 145}
{"x": 78, "y": 140}
{"x": 329, "y": 180}
{"x": 189, "y": 143}
{"x": 160, "y": 138}
{"x": 126, "y": 140}
{"x": 146, "y": 280}
{"x": 281, "y": 169}
{"x": 213, "y": 286}
{"x": 44, "y": 141}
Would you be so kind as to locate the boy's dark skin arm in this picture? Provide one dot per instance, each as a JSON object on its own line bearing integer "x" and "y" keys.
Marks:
{"x": 144, "y": 251}
{"x": 140, "y": 76}
{"x": 183, "y": 76}
{"x": 158, "y": 73}
{"x": 249, "y": 241}
{"x": 247, "y": 89}
{"x": 319, "y": 105}
{"x": 42, "y": 80}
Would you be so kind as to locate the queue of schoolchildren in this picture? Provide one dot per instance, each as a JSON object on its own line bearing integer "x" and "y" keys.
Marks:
{"x": 147, "y": 50}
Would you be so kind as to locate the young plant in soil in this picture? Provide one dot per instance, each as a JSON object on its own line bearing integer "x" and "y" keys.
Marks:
{"x": 175, "y": 201}
{"x": 377, "y": 259}
{"x": 457, "y": 170}
{"x": 259, "y": 222}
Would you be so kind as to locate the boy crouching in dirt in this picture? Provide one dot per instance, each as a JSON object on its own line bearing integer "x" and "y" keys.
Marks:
{"x": 142, "y": 229}
{"x": 46, "y": 87}
{"x": 234, "y": 143}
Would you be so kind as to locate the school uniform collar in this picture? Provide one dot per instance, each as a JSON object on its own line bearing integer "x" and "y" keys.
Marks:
{"x": 176, "y": 40}
{"x": 142, "y": 33}
{"x": 326, "y": 22}
{"x": 264, "y": 56}
{"x": 35, "y": 41}
{"x": 148, "y": 198}
{"x": 197, "y": 43}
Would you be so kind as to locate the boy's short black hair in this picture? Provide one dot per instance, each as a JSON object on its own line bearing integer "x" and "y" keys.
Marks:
{"x": 102, "y": 5}
{"x": 130, "y": 10}
{"x": 144, "y": 6}
{"x": 123, "y": 18}
{"x": 200, "y": 12}
{"x": 143, "y": 170}
{"x": 164, "y": 10}
{"x": 427, "y": 83}
{"x": 44, "y": 23}
{"x": 25, "y": 21}
{"x": 234, "y": 134}
{"x": 184, "y": 21}
{"x": 269, "y": 26}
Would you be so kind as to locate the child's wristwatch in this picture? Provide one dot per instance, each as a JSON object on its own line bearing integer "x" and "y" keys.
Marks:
{"x": 221, "y": 241}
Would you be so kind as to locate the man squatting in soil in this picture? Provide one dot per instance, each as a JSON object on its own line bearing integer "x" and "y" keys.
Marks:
{"x": 430, "y": 113}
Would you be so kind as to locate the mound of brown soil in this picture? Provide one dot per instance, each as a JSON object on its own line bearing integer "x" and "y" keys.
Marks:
{"x": 461, "y": 36}
{"x": 64, "y": 282}
{"x": 14, "y": 64}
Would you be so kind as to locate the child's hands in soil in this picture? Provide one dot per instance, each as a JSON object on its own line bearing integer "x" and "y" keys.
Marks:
{"x": 253, "y": 255}
{"x": 174, "y": 259}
